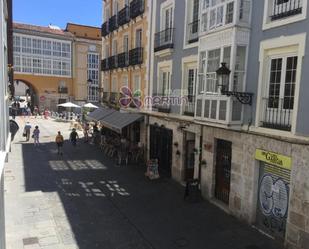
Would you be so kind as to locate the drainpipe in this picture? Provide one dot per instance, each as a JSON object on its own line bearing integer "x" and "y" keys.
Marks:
{"x": 200, "y": 156}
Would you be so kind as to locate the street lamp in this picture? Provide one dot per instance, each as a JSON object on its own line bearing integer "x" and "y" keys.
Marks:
{"x": 223, "y": 77}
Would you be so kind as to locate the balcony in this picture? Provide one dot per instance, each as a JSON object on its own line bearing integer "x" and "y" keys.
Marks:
{"x": 112, "y": 62}
{"x": 137, "y": 8}
{"x": 193, "y": 32}
{"x": 164, "y": 40}
{"x": 219, "y": 109}
{"x": 286, "y": 8}
{"x": 105, "y": 97}
{"x": 113, "y": 99}
{"x": 113, "y": 24}
{"x": 123, "y": 60}
{"x": 63, "y": 90}
{"x": 124, "y": 16}
{"x": 104, "y": 65}
{"x": 161, "y": 102}
{"x": 189, "y": 106}
{"x": 104, "y": 29}
{"x": 136, "y": 56}
{"x": 277, "y": 113}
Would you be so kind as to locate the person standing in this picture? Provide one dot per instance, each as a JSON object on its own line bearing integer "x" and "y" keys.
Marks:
{"x": 59, "y": 142}
{"x": 86, "y": 132}
{"x": 36, "y": 111}
{"x": 27, "y": 131}
{"x": 73, "y": 137}
{"x": 36, "y": 136}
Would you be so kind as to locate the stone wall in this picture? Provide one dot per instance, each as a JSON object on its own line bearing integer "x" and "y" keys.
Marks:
{"x": 245, "y": 175}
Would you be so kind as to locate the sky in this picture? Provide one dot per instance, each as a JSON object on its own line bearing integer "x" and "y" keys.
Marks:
{"x": 58, "y": 12}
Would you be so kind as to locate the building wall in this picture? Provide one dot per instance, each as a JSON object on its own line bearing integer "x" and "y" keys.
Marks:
{"x": 46, "y": 89}
{"x": 141, "y": 22}
{"x": 257, "y": 36}
{"x": 4, "y": 102}
{"x": 245, "y": 179}
{"x": 179, "y": 51}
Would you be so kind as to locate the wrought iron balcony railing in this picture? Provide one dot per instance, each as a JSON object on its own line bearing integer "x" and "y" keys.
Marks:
{"x": 112, "y": 62}
{"x": 189, "y": 106}
{"x": 63, "y": 90}
{"x": 113, "y": 23}
{"x": 105, "y": 97}
{"x": 124, "y": 16}
{"x": 104, "y": 65}
{"x": 286, "y": 8}
{"x": 278, "y": 113}
{"x": 123, "y": 59}
{"x": 113, "y": 99}
{"x": 193, "y": 31}
{"x": 161, "y": 102}
{"x": 137, "y": 8}
{"x": 136, "y": 56}
{"x": 104, "y": 29}
{"x": 164, "y": 39}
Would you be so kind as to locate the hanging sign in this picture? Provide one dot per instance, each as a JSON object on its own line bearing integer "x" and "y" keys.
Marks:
{"x": 274, "y": 159}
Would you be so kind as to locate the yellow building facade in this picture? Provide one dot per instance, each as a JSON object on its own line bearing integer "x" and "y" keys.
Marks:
{"x": 56, "y": 65}
{"x": 125, "y": 51}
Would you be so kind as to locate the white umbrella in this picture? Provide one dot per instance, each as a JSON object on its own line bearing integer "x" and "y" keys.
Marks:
{"x": 90, "y": 105}
{"x": 69, "y": 105}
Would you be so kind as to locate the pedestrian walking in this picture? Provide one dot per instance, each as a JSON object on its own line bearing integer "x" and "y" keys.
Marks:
{"x": 86, "y": 132}
{"x": 28, "y": 110}
{"x": 36, "y": 136}
{"x": 27, "y": 131}
{"x": 59, "y": 142}
{"x": 73, "y": 137}
{"x": 36, "y": 111}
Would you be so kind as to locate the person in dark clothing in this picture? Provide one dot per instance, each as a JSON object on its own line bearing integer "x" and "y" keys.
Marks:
{"x": 73, "y": 137}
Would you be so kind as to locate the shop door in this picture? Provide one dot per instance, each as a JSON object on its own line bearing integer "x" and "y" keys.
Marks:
{"x": 161, "y": 140}
{"x": 273, "y": 199}
{"x": 223, "y": 170}
{"x": 190, "y": 159}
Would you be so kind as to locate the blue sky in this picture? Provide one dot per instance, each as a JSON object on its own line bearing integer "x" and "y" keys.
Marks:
{"x": 58, "y": 12}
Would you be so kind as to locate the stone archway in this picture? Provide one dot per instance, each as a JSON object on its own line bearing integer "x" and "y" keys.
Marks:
{"x": 25, "y": 90}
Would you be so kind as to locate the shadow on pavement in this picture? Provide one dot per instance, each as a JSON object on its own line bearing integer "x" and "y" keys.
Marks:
{"x": 117, "y": 208}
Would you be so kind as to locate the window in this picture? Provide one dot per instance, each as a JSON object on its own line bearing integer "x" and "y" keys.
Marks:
{"x": 229, "y": 13}
{"x": 37, "y": 46}
{"x": 282, "y": 83}
{"x": 125, "y": 81}
{"x": 42, "y": 56}
{"x": 137, "y": 83}
{"x": 57, "y": 49}
{"x": 240, "y": 65}
{"x": 213, "y": 63}
{"x": 167, "y": 18}
{"x": 202, "y": 72}
{"x": 165, "y": 82}
{"x": 115, "y": 7}
{"x": 17, "y": 66}
{"x": 191, "y": 77}
{"x": 114, "y": 47}
{"x": 138, "y": 38}
{"x": 16, "y": 43}
{"x": 26, "y": 45}
{"x": 125, "y": 43}
{"x": 93, "y": 65}
{"x": 47, "y": 47}
{"x": 37, "y": 65}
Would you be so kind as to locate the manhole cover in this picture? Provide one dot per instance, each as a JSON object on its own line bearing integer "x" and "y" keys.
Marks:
{"x": 181, "y": 242}
{"x": 252, "y": 247}
{"x": 30, "y": 241}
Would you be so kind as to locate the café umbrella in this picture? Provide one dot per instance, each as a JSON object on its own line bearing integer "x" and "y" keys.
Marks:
{"x": 91, "y": 106}
{"x": 69, "y": 105}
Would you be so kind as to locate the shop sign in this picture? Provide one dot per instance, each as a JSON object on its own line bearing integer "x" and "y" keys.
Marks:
{"x": 274, "y": 159}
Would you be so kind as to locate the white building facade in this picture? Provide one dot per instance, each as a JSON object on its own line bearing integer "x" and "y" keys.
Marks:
{"x": 4, "y": 102}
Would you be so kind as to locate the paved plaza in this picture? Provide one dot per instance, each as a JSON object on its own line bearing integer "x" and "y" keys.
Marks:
{"x": 84, "y": 200}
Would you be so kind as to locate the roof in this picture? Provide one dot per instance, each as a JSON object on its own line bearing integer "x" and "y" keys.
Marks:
{"x": 84, "y": 31}
{"x": 41, "y": 29}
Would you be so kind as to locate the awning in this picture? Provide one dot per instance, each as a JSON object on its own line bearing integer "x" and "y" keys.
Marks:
{"x": 117, "y": 120}
{"x": 100, "y": 113}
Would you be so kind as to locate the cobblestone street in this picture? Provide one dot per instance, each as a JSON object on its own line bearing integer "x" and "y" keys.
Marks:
{"x": 83, "y": 200}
